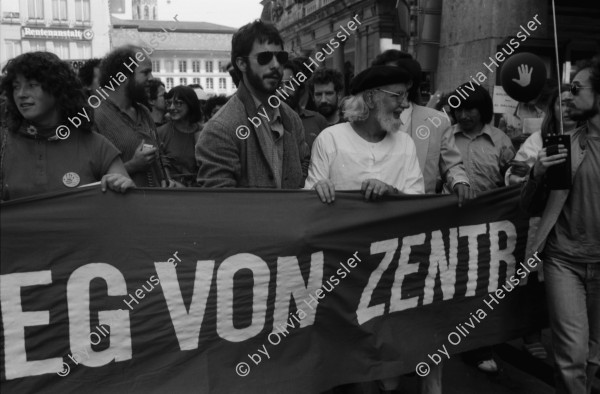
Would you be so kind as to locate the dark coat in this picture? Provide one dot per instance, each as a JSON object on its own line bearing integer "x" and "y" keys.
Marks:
{"x": 226, "y": 160}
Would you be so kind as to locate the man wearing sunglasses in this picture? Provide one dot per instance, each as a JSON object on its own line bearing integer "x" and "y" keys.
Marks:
{"x": 256, "y": 140}
{"x": 569, "y": 238}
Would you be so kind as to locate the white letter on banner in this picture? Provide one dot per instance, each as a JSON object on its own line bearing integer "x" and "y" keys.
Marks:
{"x": 404, "y": 269}
{"x": 497, "y": 254}
{"x": 261, "y": 274}
{"x": 15, "y": 320}
{"x": 290, "y": 283}
{"x": 186, "y": 324}
{"x": 439, "y": 265}
{"x": 78, "y": 298}
{"x": 365, "y": 312}
{"x": 472, "y": 232}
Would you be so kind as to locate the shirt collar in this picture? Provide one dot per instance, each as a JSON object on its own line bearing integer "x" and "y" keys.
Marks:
{"x": 486, "y": 130}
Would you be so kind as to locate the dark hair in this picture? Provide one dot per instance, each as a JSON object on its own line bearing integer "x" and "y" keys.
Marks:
{"x": 549, "y": 124}
{"x": 188, "y": 96}
{"x": 292, "y": 65}
{"x": 594, "y": 65}
{"x": 243, "y": 39}
{"x": 56, "y": 78}
{"x": 213, "y": 102}
{"x": 86, "y": 72}
{"x": 406, "y": 61}
{"x": 196, "y": 86}
{"x": 479, "y": 98}
{"x": 323, "y": 76}
{"x": 153, "y": 86}
{"x": 235, "y": 77}
{"x": 117, "y": 61}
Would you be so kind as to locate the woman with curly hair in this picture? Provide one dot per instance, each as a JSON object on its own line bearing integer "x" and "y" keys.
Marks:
{"x": 178, "y": 137}
{"x": 48, "y": 143}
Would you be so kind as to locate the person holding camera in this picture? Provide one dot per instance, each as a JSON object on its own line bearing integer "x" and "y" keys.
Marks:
{"x": 568, "y": 237}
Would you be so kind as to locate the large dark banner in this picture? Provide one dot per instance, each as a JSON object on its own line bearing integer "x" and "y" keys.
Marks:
{"x": 246, "y": 291}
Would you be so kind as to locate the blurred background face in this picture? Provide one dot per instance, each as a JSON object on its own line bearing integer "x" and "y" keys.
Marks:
{"x": 215, "y": 110}
{"x": 568, "y": 123}
{"x": 326, "y": 98}
{"x": 294, "y": 98}
{"x": 468, "y": 119}
{"x": 178, "y": 109}
{"x": 160, "y": 103}
{"x": 34, "y": 104}
{"x": 267, "y": 77}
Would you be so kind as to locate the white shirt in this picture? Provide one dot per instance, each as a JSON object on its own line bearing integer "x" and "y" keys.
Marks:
{"x": 346, "y": 159}
{"x": 528, "y": 152}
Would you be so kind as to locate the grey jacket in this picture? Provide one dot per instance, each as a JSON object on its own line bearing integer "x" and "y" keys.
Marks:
{"x": 225, "y": 160}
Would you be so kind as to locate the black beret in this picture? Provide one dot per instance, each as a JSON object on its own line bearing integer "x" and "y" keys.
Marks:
{"x": 413, "y": 67}
{"x": 377, "y": 76}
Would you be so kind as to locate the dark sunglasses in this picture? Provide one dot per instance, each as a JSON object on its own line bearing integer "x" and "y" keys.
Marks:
{"x": 265, "y": 57}
{"x": 576, "y": 88}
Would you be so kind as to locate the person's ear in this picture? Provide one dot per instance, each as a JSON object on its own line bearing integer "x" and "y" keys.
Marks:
{"x": 369, "y": 97}
{"x": 241, "y": 63}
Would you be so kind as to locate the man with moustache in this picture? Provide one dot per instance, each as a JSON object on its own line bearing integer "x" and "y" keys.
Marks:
{"x": 430, "y": 130}
{"x": 327, "y": 87}
{"x": 124, "y": 119}
{"x": 255, "y": 140}
{"x": 368, "y": 153}
{"x": 312, "y": 122}
{"x": 568, "y": 236}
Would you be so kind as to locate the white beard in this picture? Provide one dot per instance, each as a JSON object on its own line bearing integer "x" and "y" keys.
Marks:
{"x": 388, "y": 123}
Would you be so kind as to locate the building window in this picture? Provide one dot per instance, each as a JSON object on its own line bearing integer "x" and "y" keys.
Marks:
{"x": 222, "y": 66}
{"x": 222, "y": 83}
{"x": 37, "y": 46}
{"x": 209, "y": 83}
{"x": 196, "y": 81}
{"x": 82, "y": 10}
{"x": 209, "y": 66}
{"x": 61, "y": 49}
{"x": 169, "y": 66}
{"x": 183, "y": 81}
{"x": 153, "y": 13}
{"x": 196, "y": 66}
{"x": 84, "y": 50}
{"x": 155, "y": 66}
{"x": 146, "y": 13}
{"x": 183, "y": 66}
{"x": 169, "y": 83}
{"x": 13, "y": 48}
{"x": 59, "y": 10}
{"x": 36, "y": 9}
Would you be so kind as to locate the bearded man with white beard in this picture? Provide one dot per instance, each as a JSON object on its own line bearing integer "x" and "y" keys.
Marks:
{"x": 368, "y": 153}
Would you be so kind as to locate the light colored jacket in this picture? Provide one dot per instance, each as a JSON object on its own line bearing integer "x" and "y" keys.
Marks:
{"x": 439, "y": 157}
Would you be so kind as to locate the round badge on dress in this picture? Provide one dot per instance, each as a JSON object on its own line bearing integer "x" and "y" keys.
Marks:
{"x": 71, "y": 179}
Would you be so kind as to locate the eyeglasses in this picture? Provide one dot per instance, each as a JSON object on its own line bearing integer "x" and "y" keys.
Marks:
{"x": 265, "y": 57}
{"x": 576, "y": 88}
{"x": 398, "y": 96}
{"x": 176, "y": 103}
